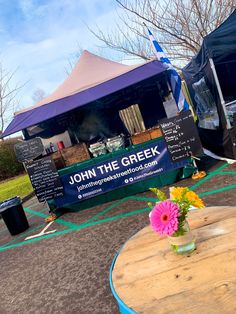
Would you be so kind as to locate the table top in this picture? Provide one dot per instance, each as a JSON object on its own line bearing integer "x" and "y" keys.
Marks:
{"x": 150, "y": 278}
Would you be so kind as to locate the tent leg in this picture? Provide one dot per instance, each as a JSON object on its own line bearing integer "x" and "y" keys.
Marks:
{"x": 228, "y": 125}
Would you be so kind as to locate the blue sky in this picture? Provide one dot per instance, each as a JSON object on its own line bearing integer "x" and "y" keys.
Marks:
{"x": 39, "y": 37}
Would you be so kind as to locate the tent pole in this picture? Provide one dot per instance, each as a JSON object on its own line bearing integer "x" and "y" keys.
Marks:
{"x": 228, "y": 125}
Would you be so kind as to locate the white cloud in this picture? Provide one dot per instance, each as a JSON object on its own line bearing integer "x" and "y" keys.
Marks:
{"x": 47, "y": 35}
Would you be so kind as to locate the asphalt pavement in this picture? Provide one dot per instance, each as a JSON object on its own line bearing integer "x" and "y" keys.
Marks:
{"x": 67, "y": 271}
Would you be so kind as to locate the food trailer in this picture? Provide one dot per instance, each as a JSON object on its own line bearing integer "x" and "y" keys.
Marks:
{"x": 101, "y": 127}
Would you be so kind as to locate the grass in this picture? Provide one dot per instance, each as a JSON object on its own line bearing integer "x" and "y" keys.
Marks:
{"x": 18, "y": 186}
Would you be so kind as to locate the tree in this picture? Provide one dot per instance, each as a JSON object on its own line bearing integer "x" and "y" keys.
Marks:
{"x": 8, "y": 93}
{"x": 38, "y": 95}
{"x": 178, "y": 25}
{"x": 73, "y": 60}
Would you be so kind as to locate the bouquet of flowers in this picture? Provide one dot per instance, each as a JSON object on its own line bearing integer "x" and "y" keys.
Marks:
{"x": 168, "y": 216}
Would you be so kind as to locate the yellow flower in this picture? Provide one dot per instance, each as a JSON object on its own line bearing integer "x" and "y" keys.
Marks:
{"x": 194, "y": 199}
{"x": 180, "y": 194}
{"x": 176, "y": 194}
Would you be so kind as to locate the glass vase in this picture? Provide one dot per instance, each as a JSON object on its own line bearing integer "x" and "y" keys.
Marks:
{"x": 184, "y": 243}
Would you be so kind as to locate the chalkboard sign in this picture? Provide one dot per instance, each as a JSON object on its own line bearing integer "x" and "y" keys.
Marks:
{"x": 28, "y": 150}
{"x": 44, "y": 178}
{"x": 181, "y": 136}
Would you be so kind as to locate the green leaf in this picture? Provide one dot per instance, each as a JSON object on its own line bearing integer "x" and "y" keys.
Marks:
{"x": 159, "y": 194}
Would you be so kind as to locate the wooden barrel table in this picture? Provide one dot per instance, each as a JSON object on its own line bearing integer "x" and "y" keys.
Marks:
{"x": 147, "y": 277}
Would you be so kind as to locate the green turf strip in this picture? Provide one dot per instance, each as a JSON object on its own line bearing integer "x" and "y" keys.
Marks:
{"x": 50, "y": 235}
{"x": 225, "y": 188}
{"x": 58, "y": 220}
{"x": 97, "y": 222}
{"x": 227, "y": 172}
{"x": 78, "y": 227}
{"x": 150, "y": 199}
{"x": 40, "y": 211}
{"x": 90, "y": 222}
{"x": 107, "y": 209}
{"x": 209, "y": 176}
{"x": 146, "y": 199}
{"x": 25, "y": 234}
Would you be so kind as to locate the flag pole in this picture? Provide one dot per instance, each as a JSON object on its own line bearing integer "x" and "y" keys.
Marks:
{"x": 174, "y": 78}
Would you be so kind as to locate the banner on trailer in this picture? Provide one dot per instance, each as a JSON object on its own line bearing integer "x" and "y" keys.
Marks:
{"x": 139, "y": 164}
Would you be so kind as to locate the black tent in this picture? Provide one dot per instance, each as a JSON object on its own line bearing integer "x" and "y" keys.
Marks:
{"x": 211, "y": 79}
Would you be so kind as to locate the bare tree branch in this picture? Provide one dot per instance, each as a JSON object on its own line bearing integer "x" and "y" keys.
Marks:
{"x": 178, "y": 25}
{"x": 38, "y": 95}
{"x": 8, "y": 93}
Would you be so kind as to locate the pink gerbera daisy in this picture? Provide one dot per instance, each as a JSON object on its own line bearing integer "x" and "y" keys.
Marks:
{"x": 164, "y": 217}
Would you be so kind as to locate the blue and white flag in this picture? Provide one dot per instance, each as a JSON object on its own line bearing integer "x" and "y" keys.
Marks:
{"x": 175, "y": 80}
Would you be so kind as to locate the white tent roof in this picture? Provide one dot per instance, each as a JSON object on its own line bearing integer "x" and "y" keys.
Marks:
{"x": 90, "y": 71}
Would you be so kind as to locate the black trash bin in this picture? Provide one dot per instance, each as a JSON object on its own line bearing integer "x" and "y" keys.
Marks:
{"x": 13, "y": 215}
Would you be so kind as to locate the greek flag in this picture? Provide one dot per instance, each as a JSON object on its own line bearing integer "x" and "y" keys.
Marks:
{"x": 175, "y": 80}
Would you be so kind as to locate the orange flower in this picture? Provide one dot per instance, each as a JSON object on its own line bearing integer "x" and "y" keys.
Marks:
{"x": 176, "y": 194}
{"x": 194, "y": 199}
{"x": 180, "y": 194}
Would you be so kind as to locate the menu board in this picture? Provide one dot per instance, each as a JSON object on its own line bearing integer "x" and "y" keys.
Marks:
{"x": 28, "y": 150}
{"x": 181, "y": 136}
{"x": 44, "y": 178}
